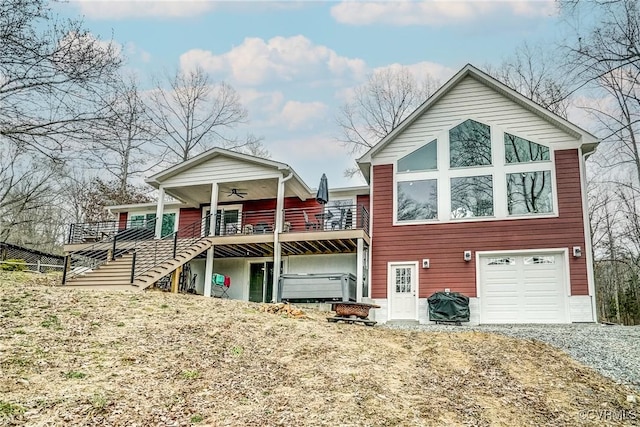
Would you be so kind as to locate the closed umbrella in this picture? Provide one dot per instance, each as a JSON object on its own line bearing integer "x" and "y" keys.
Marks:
{"x": 322, "y": 197}
{"x": 323, "y": 191}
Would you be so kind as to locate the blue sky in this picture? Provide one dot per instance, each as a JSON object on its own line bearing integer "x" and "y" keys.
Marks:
{"x": 295, "y": 63}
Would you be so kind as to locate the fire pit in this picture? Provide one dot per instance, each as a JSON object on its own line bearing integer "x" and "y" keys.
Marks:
{"x": 352, "y": 312}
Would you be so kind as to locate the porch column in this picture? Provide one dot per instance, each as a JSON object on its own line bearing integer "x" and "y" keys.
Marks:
{"x": 214, "y": 209}
{"x": 208, "y": 269}
{"x": 159, "y": 213}
{"x": 359, "y": 270}
{"x": 208, "y": 272}
{"x": 277, "y": 229}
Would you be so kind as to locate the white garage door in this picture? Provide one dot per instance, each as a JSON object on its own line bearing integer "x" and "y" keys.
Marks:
{"x": 523, "y": 289}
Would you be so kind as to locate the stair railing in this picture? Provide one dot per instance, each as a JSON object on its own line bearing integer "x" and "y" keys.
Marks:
{"x": 88, "y": 258}
{"x": 153, "y": 253}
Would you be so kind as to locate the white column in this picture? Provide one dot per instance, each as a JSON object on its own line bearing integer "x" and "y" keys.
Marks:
{"x": 359, "y": 270}
{"x": 277, "y": 229}
{"x": 159, "y": 212}
{"x": 208, "y": 269}
{"x": 214, "y": 209}
{"x": 208, "y": 272}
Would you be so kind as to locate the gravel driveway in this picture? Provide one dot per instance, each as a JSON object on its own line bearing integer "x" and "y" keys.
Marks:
{"x": 614, "y": 351}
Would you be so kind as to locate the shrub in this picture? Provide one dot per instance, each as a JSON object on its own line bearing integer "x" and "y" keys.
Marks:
{"x": 13, "y": 264}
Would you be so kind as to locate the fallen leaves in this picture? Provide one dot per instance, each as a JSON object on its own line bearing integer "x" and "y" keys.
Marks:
{"x": 119, "y": 358}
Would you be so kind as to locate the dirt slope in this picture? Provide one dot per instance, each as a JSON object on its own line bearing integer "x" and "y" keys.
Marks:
{"x": 73, "y": 357}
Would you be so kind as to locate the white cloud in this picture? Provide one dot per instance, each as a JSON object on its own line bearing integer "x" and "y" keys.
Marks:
{"x": 271, "y": 110}
{"x": 283, "y": 59}
{"x": 134, "y": 51}
{"x": 122, "y": 9}
{"x": 438, "y": 73}
{"x": 435, "y": 12}
{"x": 302, "y": 115}
{"x": 421, "y": 70}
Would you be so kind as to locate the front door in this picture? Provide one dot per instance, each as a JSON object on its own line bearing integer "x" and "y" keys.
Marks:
{"x": 261, "y": 281}
{"x": 403, "y": 292}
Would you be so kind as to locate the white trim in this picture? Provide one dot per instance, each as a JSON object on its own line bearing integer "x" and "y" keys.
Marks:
{"x": 520, "y": 252}
{"x": 588, "y": 249}
{"x": 498, "y": 170}
{"x": 371, "y": 238}
{"x": 159, "y": 213}
{"x": 390, "y": 265}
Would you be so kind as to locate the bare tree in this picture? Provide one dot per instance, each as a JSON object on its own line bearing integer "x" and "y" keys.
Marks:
{"x": 252, "y": 145}
{"x": 125, "y": 144}
{"x": 533, "y": 72}
{"x": 52, "y": 77}
{"x": 193, "y": 112}
{"x": 379, "y": 106}
{"x": 604, "y": 60}
{"x": 53, "y": 85}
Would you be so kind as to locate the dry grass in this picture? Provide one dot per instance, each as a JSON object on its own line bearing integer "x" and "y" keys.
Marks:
{"x": 72, "y": 357}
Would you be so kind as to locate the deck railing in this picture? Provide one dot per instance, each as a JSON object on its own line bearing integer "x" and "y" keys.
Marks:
{"x": 326, "y": 218}
{"x": 151, "y": 253}
{"x": 245, "y": 222}
{"x": 87, "y": 258}
{"x": 96, "y": 232}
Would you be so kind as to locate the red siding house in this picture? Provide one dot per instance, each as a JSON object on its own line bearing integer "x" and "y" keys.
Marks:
{"x": 479, "y": 191}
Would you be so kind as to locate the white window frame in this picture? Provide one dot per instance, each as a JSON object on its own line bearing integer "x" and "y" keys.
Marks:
{"x": 498, "y": 171}
{"x": 153, "y": 211}
{"x": 207, "y": 209}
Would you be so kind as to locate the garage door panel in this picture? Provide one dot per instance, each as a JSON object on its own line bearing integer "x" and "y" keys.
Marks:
{"x": 523, "y": 289}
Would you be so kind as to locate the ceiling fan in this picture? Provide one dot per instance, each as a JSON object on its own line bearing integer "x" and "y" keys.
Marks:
{"x": 237, "y": 192}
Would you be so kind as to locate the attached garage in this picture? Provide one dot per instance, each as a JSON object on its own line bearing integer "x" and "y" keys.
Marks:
{"x": 523, "y": 288}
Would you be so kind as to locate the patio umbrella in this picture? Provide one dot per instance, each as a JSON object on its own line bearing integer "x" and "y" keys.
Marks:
{"x": 323, "y": 191}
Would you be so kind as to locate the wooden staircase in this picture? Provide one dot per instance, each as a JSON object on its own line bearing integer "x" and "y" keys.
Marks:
{"x": 154, "y": 260}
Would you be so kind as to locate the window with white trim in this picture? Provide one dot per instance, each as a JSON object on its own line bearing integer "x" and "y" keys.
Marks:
{"x": 472, "y": 196}
{"x": 417, "y": 200}
{"x": 424, "y": 158}
{"x": 501, "y": 261}
{"x": 540, "y": 259}
{"x": 529, "y": 193}
{"x": 474, "y": 171}
{"x": 470, "y": 145}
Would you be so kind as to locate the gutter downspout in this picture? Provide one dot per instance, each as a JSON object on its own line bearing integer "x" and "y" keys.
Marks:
{"x": 277, "y": 252}
{"x": 587, "y": 233}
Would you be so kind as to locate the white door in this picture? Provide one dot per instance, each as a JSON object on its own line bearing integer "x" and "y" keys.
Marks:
{"x": 403, "y": 300}
{"x": 520, "y": 288}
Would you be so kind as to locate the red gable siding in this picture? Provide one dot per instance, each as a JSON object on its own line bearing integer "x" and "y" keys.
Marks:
{"x": 444, "y": 244}
{"x": 122, "y": 220}
{"x": 187, "y": 217}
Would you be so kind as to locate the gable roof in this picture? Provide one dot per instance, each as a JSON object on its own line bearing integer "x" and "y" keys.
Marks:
{"x": 157, "y": 178}
{"x": 297, "y": 185}
{"x": 589, "y": 141}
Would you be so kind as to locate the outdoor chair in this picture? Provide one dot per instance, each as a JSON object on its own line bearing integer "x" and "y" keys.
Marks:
{"x": 263, "y": 228}
{"x": 348, "y": 221}
{"x": 337, "y": 224}
{"x": 309, "y": 224}
{"x": 247, "y": 229}
{"x": 220, "y": 285}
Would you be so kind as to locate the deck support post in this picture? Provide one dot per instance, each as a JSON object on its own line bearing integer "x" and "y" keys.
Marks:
{"x": 208, "y": 269}
{"x": 359, "y": 269}
{"x": 277, "y": 229}
{"x": 175, "y": 280}
{"x": 208, "y": 272}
